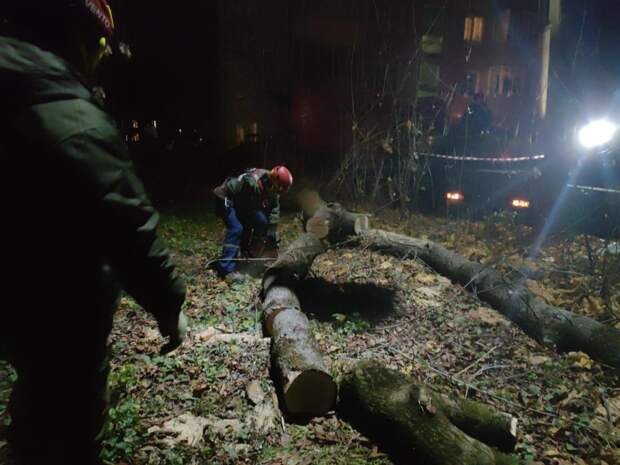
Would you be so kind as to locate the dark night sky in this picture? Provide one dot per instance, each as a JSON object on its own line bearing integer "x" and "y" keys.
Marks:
{"x": 173, "y": 71}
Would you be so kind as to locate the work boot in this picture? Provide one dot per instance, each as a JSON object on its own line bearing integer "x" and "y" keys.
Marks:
{"x": 213, "y": 265}
{"x": 235, "y": 277}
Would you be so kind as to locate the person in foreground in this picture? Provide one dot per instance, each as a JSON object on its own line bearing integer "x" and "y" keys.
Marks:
{"x": 81, "y": 229}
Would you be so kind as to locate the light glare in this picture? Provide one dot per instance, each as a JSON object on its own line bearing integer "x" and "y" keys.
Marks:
{"x": 596, "y": 133}
{"x": 454, "y": 196}
{"x": 520, "y": 203}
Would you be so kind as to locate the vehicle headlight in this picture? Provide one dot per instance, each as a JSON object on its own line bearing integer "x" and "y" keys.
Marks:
{"x": 596, "y": 133}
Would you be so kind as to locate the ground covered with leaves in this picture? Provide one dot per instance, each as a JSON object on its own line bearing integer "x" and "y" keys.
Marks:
{"x": 213, "y": 400}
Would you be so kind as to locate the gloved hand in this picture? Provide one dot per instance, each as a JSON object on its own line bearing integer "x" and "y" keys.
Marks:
{"x": 175, "y": 329}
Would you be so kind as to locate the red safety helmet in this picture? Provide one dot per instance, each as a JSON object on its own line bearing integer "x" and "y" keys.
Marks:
{"x": 100, "y": 11}
{"x": 281, "y": 178}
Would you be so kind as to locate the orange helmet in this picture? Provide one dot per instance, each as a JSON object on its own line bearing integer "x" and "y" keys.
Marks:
{"x": 281, "y": 178}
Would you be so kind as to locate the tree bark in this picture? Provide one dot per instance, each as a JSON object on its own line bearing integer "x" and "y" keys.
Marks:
{"x": 416, "y": 425}
{"x": 552, "y": 326}
{"x": 307, "y": 387}
{"x": 331, "y": 221}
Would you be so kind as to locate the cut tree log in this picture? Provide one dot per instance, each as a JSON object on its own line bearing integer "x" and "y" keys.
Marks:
{"x": 416, "y": 425}
{"x": 307, "y": 387}
{"x": 331, "y": 221}
{"x": 294, "y": 263}
{"x": 549, "y": 325}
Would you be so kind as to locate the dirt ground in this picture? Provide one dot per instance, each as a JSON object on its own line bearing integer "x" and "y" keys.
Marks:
{"x": 213, "y": 400}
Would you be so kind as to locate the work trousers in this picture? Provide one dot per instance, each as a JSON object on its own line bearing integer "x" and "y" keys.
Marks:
{"x": 240, "y": 229}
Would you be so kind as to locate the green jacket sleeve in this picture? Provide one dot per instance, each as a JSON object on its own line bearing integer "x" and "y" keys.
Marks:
{"x": 88, "y": 139}
{"x": 134, "y": 249}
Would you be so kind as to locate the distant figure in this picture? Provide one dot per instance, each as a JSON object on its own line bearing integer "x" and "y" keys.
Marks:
{"x": 478, "y": 116}
{"x": 249, "y": 205}
{"x": 80, "y": 229}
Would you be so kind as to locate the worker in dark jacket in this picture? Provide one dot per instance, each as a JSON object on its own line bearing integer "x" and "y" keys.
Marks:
{"x": 249, "y": 205}
{"x": 78, "y": 227}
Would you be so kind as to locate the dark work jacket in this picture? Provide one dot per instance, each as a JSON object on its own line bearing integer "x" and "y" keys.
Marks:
{"x": 248, "y": 192}
{"x": 76, "y": 218}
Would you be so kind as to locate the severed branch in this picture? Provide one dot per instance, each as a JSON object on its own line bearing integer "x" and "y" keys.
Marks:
{"x": 416, "y": 425}
{"x": 551, "y": 326}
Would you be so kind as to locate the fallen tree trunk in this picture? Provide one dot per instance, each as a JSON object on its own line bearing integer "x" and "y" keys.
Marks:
{"x": 552, "y": 326}
{"x": 331, "y": 221}
{"x": 416, "y": 425}
{"x": 307, "y": 387}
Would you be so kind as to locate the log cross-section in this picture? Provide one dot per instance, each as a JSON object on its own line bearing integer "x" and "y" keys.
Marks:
{"x": 307, "y": 387}
{"x": 331, "y": 221}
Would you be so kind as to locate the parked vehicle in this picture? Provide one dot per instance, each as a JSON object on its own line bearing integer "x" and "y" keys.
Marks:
{"x": 477, "y": 186}
{"x": 590, "y": 199}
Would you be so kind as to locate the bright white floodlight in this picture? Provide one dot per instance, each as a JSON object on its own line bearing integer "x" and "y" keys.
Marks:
{"x": 596, "y": 133}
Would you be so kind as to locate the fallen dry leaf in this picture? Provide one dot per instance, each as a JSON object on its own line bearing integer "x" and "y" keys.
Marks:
{"x": 487, "y": 316}
{"x": 213, "y": 336}
{"x": 572, "y": 395}
{"x": 151, "y": 335}
{"x": 264, "y": 418}
{"x": 224, "y": 426}
{"x": 425, "y": 278}
{"x": 540, "y": 291}
{"x": 187, "y": 428}
{"x": 580, "y": 360}
{"x": 592, "y": 305}
{"x": 538, "y": 359}
{"x": 255, "y": 392}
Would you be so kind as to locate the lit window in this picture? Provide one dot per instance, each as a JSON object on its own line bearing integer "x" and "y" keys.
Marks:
{"x": 253, "y": 133}
{"x": 474, "y": 28}
{"x": 468, "y": 27}
{"x": 478, "y": 29}
{"x": 502, "y": 81}
{"x": 240, "y": 134}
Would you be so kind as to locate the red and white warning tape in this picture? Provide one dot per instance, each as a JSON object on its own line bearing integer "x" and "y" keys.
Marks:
{"x": 593, "y": 188}
{"x": 492, "y": 160}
